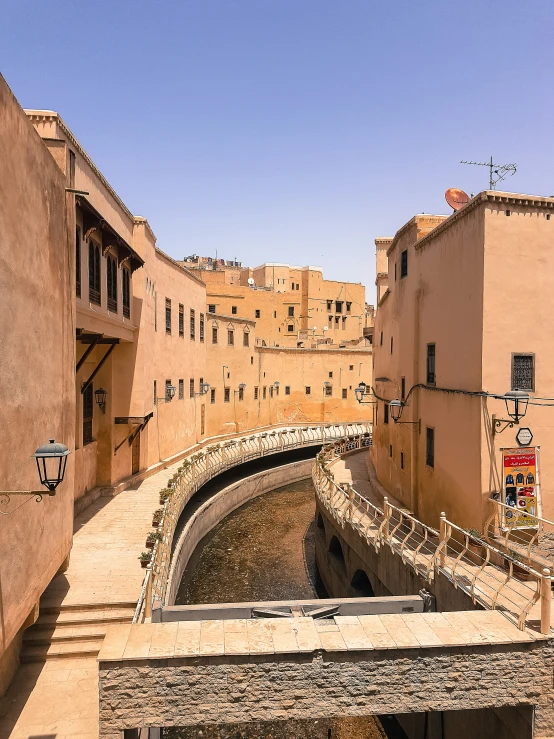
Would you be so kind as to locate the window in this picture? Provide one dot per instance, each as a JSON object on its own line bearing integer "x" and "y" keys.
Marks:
{"x": 308, "y": 390}
{"x": 155, "y": 311}
{"x": 508, "y": 212}
{"x": 234, "y": 310}
{"x": 226, "y": 395}
{"x": 168, "y": 316}
{"x": 329, "y": 305}
{"x": 338, "y": 306}
{"x": 211, "y": 308}
{"x": 78, "y": 262}
{"x": 381, "y": 342}
{"x": 348, "y": 307}
{"x": 390, "y": 450}
{"x": 344, "y": 393}
{"x": 257, "y": 314}
{"x": 111, "y": 280}
{"x": 246, "y": 339}
{"x": 391, "y": 344}
{"x": 430, "y": 364}
{"x": 155, "y": 393}
{"x": 523, "y": 371}
{"x": 201, "y": 327}
{"x": 291, "y": 310}
{"x": 395, "y": 271}
{"x": 403, "y": 389}
{"x": 343, "y": 322}
{"x": 192, "y": 324}
{"x": 351, "y": 367}
{"x": 212, "y": 395}
{"x": 287, "y": 389}
{"x": 126, "y": 292}
{"x": 181, "y": 389}
{"x": 290, "y": 328}
{"x": 330, "y": 374}
{"x": 181, "y": 320}
{"x": 251, "y": 360}
{"x": 401, "y": 460}
{"x": 256, "y": 393}
{"x": 87, "y": 414}
{"x": 200, "y": 383}
{"x": 337, "y": 319}
{"x": 94, "y": 273}
{"x": 277, "y": 390}
{"x": 274, "y": 314}
{"x": 264, "y": 392}
{"x": 386, "y": 413}
{"x": 214, "y": 335}
{"x": 191, "y": 387}
{"x": 231, "y": 337}
{"x": 430, "y": 448}
{"x": 331, "y": 321}
{"x": 404, "y": 264}
{"x": 271, "y": 391}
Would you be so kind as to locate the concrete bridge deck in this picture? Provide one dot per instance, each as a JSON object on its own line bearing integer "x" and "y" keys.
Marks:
{"x": 277, "y": 669}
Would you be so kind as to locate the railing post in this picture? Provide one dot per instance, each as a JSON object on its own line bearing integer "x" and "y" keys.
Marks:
{"x": 386, "y": 512}
{"x": 442, "y": 538}
{"x": 350, "y": 492}
{"x": 546, "y": 601}
{"x": 148, "y": 596}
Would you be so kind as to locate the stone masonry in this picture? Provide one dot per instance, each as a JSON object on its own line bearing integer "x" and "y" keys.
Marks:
{"x": 193, "y": 673}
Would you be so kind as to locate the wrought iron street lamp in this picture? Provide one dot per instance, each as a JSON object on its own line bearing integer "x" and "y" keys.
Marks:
{"x": 396, "y": 408}
{"x": 516, "y": 408}
{"x": 169, "y": 393}
{"x": 100, "y": 397}
{"x": 204, "y": 388}
{"x": 363, "y": 391}
{"x": 51, "y": 461}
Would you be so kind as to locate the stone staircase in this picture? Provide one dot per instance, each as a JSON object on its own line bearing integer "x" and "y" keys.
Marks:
{"x": 72, "y": 630}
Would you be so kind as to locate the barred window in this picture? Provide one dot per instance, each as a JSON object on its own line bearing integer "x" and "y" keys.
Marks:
{"x": 214, "y": 335}
{"x": 246, "y": 339}
{"x": 523, "y": 372}
{"x": 87, "y": 414}
{"x": 256, "y": 390}
{"x": 230, "y": 337}
{"x": 111, "y": 279}
{"x": 168, "y": 316}
{"x": 431, "y": 364}
{"x": 126, "y": 292}
{"x": 191, "y": 387}
{"x": 78, "y": 262}
{"x": 192, "y": 324}
{"x": 181, "y": 320}
{"x": 181, "y": 389}
{"x": 201, "y": 327}
{"x": 227, "y": 395}
{"x": 212, "y": 395}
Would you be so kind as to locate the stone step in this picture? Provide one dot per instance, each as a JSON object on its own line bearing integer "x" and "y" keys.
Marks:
{"x": 71, "y": 618}
{"x": 60, "y": 651}
{"x": 49, "y": 606}
{"x": 53, "y": 635}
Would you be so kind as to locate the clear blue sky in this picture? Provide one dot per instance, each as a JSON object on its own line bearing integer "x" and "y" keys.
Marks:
{"x": 291, "y": 130}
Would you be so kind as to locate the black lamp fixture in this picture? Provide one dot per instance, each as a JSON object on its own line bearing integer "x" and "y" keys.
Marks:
{"x": 169, "y": 393}
{"x": 100, "y": 397}
{"x": 396, "y": 408}
{"x": 242, "y": 388}
{"x": 516, "y": 408}
{"x": 204, "y": 388}
{"x": 51, "y": 462}
{"x": 276, "y": 385}
{"x": 363, "y": 391}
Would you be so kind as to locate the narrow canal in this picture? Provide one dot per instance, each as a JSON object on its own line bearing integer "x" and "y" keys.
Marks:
{"x": 265, "y": 551}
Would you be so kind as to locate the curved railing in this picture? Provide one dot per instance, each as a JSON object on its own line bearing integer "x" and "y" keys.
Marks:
{"x": 212, "y": 460}
{"x": 493, "y": 578}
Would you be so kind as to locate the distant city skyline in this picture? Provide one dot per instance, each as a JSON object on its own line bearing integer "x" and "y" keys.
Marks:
{"x": 292, "y": 132}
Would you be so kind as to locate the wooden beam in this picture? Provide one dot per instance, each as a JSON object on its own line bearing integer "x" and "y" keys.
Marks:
{"x": 100, "y": 363}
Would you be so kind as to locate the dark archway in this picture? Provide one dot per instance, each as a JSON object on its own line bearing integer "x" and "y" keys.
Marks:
{"x": 336, "y": 555}
{"x": 319, "y": 521}
{"x": 361, "y": 585}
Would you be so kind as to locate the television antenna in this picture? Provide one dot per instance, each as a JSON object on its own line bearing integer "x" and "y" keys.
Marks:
{"x": 498, "y": 172}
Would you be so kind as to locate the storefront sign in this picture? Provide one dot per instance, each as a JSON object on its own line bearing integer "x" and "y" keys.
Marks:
{"x": 521, "y": 487}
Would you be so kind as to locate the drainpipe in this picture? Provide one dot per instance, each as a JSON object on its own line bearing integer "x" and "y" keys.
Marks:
{"x": 416, "y": 428}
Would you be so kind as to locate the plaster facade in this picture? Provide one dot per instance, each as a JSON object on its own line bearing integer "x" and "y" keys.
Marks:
{"x": 38, "y": 315}
{"x": 451, "y": 287}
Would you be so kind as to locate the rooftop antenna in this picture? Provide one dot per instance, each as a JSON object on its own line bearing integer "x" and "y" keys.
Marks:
{"x": 498, "y": 172}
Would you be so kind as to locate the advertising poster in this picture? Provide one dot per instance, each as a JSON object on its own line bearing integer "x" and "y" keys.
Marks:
{"x": 521, "y": 486}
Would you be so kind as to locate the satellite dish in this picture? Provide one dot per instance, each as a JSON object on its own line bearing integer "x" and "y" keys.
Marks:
{"x": 456, "y": 198}
{"x": 251, "y": 281}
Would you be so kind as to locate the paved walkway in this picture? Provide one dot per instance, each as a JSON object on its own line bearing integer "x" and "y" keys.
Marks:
{"x": 58, "y": 698}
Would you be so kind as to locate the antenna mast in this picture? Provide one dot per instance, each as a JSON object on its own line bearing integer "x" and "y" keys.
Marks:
{"x": 497, "y": 172}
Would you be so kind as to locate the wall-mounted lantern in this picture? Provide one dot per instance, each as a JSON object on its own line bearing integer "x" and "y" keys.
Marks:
{"x": 276, "y": 385}
{"x": 396, "y": 408}
{"x": 100, "y": 397}
{"x": 204, "y": 388}
{"x": 51, "y": 462}
{"x": 169, "y": 393}
{"x": 363, "y": 391}
{"x": 516, "y": 408}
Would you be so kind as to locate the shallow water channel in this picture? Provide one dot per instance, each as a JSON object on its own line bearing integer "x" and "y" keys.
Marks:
{"x": 265, "y": 551}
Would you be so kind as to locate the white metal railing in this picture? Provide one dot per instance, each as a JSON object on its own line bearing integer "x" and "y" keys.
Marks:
{"x": 494, "y": 578}
{"x": 213, "y": 459}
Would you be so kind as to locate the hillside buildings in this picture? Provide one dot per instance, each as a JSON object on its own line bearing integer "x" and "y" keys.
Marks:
{"x": 465, "y": 302}
{"x": 130, "y": 357}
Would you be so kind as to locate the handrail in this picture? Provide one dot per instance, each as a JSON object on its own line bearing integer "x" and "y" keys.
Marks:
{"x": 485, "y": 572}
{"x": 213, "y": 459}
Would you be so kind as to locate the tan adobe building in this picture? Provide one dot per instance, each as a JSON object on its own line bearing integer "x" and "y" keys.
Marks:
{"x": 125, "y": 369}
{"x": 463, "y": 318}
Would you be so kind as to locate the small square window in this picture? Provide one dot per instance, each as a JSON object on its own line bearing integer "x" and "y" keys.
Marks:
{"x": 226, "y": 395}
{"x": 287, "y": 389}
{"x": 211, "y": 308}
{"x": 351, "y": 367}
{"x": 523, "y": 372}
{"x": 328, "y": 390}
{"x": 290, "y": 328}
{"x": 234, "y": 310}
{"x": 257, "y": 314}
{"x": 330, "y": 374}
{"x": 508, "y": 212}
{"x": 308, "y": 390}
